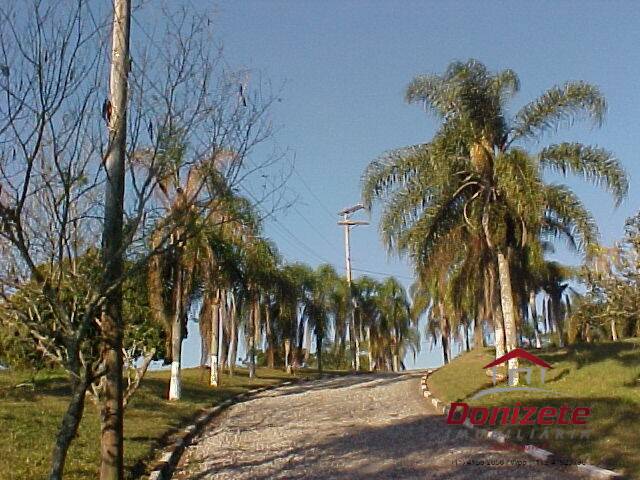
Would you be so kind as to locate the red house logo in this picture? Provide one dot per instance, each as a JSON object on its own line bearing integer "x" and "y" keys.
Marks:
{"x": 520, "y": 354}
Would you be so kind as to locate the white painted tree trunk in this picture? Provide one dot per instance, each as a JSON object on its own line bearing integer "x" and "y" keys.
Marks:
{"x": 508, "y": 313}
{"x": 370, "y": 353}
{"x": 213, "y": 348}
{"x": 614, "y": 333}
{"x": 255, "y": 325}
{"x": 357, "y": 342}
{"x": 233, "y": 341}
{"x": 287, "y": 351}
{"x": 175, "y": 385}
{"x": 175, "y": 389}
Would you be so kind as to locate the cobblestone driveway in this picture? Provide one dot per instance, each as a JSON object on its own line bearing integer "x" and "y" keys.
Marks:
{"x": 354, "y": 427}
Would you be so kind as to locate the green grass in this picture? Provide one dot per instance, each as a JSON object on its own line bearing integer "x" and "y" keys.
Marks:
{"x": 603, "y": 376}
{"x": 29, "y": 419}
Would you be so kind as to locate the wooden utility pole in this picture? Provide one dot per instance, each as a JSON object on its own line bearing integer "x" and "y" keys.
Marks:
{"x": 348, "y": 223}
{"x": 112, "y": 412}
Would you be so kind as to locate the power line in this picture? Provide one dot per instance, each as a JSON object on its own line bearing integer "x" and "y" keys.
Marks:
{"x": 304, "y": 218}
{"x": 306, "y": 185}
{"x": 315, "y": 228}
{"x": 287, "y": 231}
{"x": 303, "y": 247}
{"x": 373, "y": 272}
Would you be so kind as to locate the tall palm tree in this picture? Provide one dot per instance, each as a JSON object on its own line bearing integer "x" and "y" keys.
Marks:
{"x": 320, "y": 306}
{"x": 365, "y": 290}
{"x": 395, "y": 315}
{"x": 228, "y": 223}
{"x": 475, "y": 173}
{"x": 261, "y": 263}
{"x": 294, "y": 289}
{"x": 189, "y": 192}
{"x": 170, "y": 274}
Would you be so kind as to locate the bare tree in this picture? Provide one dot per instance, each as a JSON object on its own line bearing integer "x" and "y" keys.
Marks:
{"x": 53, "y": 147}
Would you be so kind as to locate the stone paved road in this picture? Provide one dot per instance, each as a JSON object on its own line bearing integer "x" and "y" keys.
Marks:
{"x": 354, "y": 427}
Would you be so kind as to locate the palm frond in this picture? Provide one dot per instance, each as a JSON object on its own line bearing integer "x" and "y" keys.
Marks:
{"x": 436, "y": 94}
{"x": 566, "y": 214}
{"x": 505, "y": 85}
{"x": 559, "y": 105}
{"x": 392, "y": 170}
{"x": 595, "y": 165}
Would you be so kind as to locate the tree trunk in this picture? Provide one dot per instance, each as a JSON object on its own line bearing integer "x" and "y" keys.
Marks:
{"x": 287, "y": 351}
{"x": 368, "y": 329}
{"x": 556, "y": 322}
{"x": 271, "y": 348}
{"x": 299, "y": 344}
{"x": 549, "y": 316}
{"x": 445, "y": 348}
{"x": 395, "y": 361}
{"x": 508, "y": 313}
{"x": 307, "y": 343}
{"x": 478, "y": 337}
{"x": 352, "y": 343}
{"x": 112, "y": 409}
{"x": 233, "y": 340}
{"x": 255, "y": 312}
{"x": 614, "y": 333}
{"x": 534, "y": 317}
{"x": 444, "y": 333}
{"x": 466, "y": 336}
{"x": 223, "y": 335}
{"x": 498, "y": 319}
{"x": 69, "y": 428}
{"x": 175, "y": 388}
{"x": 215, "y": 332}
{"x": 319, "y": 351}
{"x": 356, "y": 344}
{"x": 204, "y": 325}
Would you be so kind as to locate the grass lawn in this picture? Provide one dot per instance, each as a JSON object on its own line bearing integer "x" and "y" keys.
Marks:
{"x": 603, "y": 376}
{"x": 29, "y": 419}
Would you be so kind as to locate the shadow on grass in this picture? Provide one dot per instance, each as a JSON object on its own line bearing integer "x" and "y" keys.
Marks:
{"x": 611, "y": 432}
{"x": 581, "y": 354}
{"x": 26, "y": 386}
{"x": 565, "y": 372}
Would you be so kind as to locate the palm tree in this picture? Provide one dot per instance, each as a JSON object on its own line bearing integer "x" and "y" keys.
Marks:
{"x": 475, "y": 174}
{"x": 365, "y": 291}
{"x": 170, "y": 274}
{"x": 553, "y": 280}
{"x": 383, "y": 309}
{"x": 320, "y": 305}
{"x": 429, "y": 298}
{"x": 189, "y": 193}
{"x": 229, "y": 222}
{"x": 293, "y": 285}
{"x": 260, "y": 266}
{"x": 395, "y": 315}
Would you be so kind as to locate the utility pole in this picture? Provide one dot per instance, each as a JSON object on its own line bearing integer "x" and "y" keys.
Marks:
{"x": 348, "y": 223}
{"x": 112, "y": 411}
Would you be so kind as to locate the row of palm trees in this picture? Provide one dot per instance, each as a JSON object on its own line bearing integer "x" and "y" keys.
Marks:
{"x": 472, "y": 208}
{"x": 216, "y": 265}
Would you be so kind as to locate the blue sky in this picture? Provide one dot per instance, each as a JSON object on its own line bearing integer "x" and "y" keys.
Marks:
{"x": 343, "y": 66}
